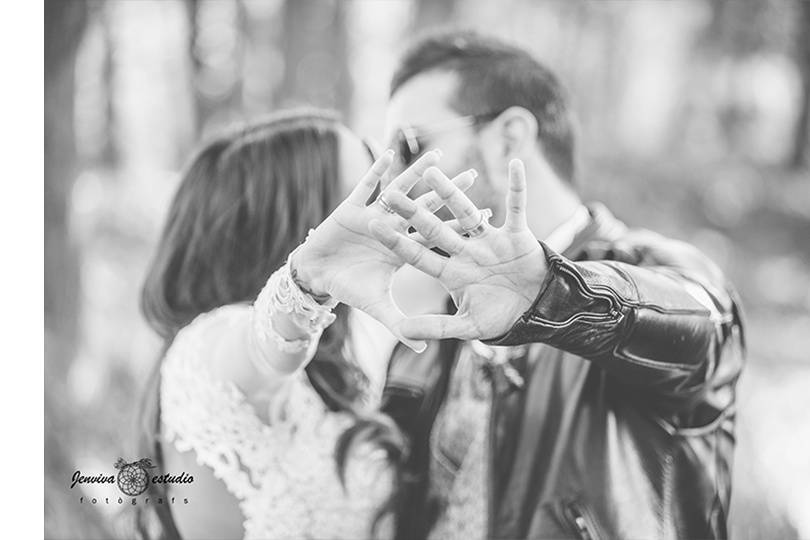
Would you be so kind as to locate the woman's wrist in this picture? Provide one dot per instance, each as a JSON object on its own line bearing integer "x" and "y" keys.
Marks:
{"x": 305, "y": 277}
{"x": 288, "y": 317}
{"x": 304, "y": 280}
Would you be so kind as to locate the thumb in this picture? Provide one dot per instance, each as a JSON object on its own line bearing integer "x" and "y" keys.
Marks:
{"x": 438, "y": 327}
{"x": 389, "y": 314}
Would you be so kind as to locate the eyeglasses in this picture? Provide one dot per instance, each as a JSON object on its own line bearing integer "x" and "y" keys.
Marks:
{"x": 409, "y": 142}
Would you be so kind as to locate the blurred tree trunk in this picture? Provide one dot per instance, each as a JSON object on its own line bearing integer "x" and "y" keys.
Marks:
{"x": 201, "y": 108}
{"x": 64, "y": 26}
{"x": 109, "y": 155}
{"x": 263, "y": 71}
{"x": 801, "y": 141}
{"x": 64, "y": 23}
{"x": 433, "y": 13}
{"x": 316, "y": 69}
{"x": 217, "y": 86}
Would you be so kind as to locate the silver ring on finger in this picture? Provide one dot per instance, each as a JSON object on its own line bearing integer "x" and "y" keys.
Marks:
{"x": 384, "y": 204}
{"x": 481, "y": 226}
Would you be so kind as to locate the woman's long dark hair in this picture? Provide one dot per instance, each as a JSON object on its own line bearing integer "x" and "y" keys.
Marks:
{"x": 402, "y": 427}
{"x": 245, "y": 201}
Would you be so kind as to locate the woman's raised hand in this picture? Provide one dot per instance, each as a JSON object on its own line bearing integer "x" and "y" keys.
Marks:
{"x": 342, "y": 259}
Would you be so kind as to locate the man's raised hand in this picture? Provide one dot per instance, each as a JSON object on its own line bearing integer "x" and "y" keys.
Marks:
{"x": 493, "y": 274}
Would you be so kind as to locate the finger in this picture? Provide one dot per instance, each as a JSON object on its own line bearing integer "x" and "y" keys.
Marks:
{"x": 432, "y": 202}
{"x": 386, "y": 179}
{"x": 438, "y": 327}
{"x": 516, "y": 197}
{"x": 408, "y": 250}
{"x": 405, "y": 181}
{"x": 417, "y": 236}
{"x": 389, "y": 314}
{"x": 434, "y": 230}
{"x": 459, "y": 204}
{"x": 363, "y": 190}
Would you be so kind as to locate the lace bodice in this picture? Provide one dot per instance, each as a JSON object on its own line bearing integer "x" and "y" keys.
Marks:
{"x": 282, "y": 473}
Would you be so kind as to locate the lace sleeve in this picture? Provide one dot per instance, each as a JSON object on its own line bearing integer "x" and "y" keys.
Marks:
{"x": 283, "y": 473}
{"x": 281, "y": 295}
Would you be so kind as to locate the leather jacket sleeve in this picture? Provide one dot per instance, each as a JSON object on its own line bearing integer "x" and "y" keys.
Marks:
{"x": 652, "y": 311}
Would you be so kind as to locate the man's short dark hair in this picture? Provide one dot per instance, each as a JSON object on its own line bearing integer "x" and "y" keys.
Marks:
{"x": 494, "y": 76}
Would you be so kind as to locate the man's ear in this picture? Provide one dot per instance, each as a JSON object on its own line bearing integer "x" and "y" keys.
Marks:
{"x": 518, "y": 129}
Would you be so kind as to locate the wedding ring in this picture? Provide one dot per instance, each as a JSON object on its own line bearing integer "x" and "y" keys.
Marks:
{"x": 384, "y": 204}
{"x": 481, "y": 226}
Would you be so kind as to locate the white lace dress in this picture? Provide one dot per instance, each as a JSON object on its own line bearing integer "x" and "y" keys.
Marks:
{"x": 283, "y": 473}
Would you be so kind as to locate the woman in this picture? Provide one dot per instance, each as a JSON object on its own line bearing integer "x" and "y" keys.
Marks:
{"x": 253, "y": 397}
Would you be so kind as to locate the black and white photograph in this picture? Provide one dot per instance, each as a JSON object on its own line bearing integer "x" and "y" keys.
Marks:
{"x": 421, "y": 270}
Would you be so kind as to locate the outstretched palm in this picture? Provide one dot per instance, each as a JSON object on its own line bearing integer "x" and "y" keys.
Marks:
{"x": 342, "y": 259}
{"x": 493, "y": 276}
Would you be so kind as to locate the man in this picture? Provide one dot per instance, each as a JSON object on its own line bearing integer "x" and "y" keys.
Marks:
{"x": 611, "y": 411}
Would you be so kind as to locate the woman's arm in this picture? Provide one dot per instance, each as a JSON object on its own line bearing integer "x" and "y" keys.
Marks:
{"x": 212, "y": 511}
{"x": 213, "y": 399}
{"x": 219, "y": 383}
{"x": 286, "y": 325}
{"x": 248, "y": 463}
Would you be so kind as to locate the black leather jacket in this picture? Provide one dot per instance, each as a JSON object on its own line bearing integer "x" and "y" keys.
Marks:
{"x": 617, "y": 421}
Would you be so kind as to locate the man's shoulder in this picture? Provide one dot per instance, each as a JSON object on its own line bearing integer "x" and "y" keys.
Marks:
{"x": 612, "y": 240}
{"x": 654, "y": 249}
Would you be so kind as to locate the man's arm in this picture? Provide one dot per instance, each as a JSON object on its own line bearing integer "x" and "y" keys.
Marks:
{"x": 661, "y": 321}
{"x": 661, "y": 316}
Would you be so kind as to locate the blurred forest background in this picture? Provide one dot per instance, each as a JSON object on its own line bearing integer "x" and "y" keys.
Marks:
{"x": 694, "y": 120}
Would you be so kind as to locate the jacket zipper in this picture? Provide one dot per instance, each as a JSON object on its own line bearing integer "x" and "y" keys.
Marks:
{"x": 578, "y": 520}
{"x": 490, "y": 458}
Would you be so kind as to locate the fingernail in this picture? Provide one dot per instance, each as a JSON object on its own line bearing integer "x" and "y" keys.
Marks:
{"x": 473, "y": 173}
{"x": 438, "y": 152}
{"x": 390, "y": 152}
{"x": 419, "y": 348}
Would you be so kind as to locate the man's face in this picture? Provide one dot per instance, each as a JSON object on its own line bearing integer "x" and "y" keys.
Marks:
{"x": 423, "y": 106}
